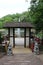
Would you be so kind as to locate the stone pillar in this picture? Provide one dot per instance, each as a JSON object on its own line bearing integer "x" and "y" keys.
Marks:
{"x": 27, "y": 37}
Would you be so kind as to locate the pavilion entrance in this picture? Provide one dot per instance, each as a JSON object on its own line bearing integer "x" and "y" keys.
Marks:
{"x": 26, "y": 26}
{"x": 21, "y": 37}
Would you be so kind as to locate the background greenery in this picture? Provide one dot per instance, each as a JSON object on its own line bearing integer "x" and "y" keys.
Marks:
{"x": 33, "y": 15}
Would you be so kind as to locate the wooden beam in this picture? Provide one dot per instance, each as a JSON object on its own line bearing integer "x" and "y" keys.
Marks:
{"x": 13, "y": 37}
{"x": 25, "y": 37}
{"x": 9, "y": 33}
{"x": 29, "y": 37}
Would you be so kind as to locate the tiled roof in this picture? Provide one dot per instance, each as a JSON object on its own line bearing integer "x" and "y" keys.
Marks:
{"x": 18, "y": 24}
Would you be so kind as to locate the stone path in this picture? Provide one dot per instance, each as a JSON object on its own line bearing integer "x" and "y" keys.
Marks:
{"x": 21, "y": 59}
{"x": 40, "y": 57}
{"x": 2, "y": 54}
{"x": 19, "y": 49}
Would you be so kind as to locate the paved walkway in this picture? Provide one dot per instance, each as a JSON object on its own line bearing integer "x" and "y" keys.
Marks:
{"x": 40, "y": 56}
{"x": 22, "y": 56}
{"x": 21, "y": 59}
{"x": 21, "y": 49}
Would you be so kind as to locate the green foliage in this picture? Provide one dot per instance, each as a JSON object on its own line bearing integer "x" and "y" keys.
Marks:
{"x": 25, "y": 17}
{"x": 41, "y": 48}
{"x": 1, "y": 25}
{"x": 7, "y": 18}
{"x": 36, "y": 14}
{"x": 0, "y": 38}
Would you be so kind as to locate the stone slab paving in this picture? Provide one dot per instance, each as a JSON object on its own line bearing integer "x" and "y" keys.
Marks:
{"x": 40, "y": 56}
{"x": 20, "y": 49}
{"x": 21, "y": 59}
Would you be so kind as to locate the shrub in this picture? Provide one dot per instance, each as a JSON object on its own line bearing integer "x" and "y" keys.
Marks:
{"x": 0, "y": 38}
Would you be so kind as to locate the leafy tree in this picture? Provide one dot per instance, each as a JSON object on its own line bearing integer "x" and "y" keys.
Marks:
{"x": 1, "y": 25}
{"x": 16, "y": 17}
{"x": 36, "y": 14}
{"x": 7, "y": 18}
{"x": 25, "y": 17}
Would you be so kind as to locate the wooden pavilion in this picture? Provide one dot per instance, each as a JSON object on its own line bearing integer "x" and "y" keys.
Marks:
{"x": 11, "y": 31}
